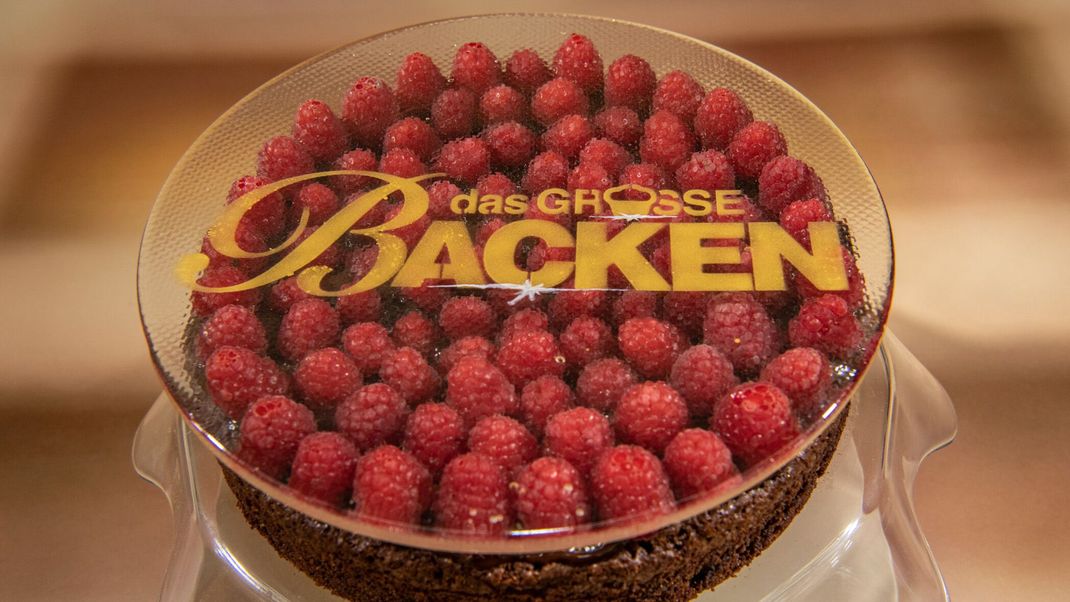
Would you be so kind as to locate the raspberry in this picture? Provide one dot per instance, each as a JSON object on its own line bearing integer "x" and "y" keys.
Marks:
{"x": 525, "y": 319}
{"x": 686, "y": 310}
{"x": 418, "y": 83}
{"x": 754, "y": 420}
{"x": 473, "y": 497}
{"x": 361, "y": 260}
{"x": 650, "y": 345}
{"x": 392, "y": 486}
{"x": 542, "y": 253}
{"x": 281, "y": 157}
{"x": 786, "y": 179}
{"x": 237, "y": 377}
{"x": 414, "y": 134}
{"x": 224, "y": 275}
{"x": 586, "y": 339}
{"x": 804, "y": 375}
{"x": 542, "y": 398}
{"x": 503, "y": 440}
{"x": 702, "y": 375}
{"x": 415, "y": 330}
{"x": 738, "y": 327}
{"x": 249, "y": 238}
{"x": 320, "y": 201}
{"x": 568, "y": 305}
{"x": 454, "y": 113}
{"x": 827, "y": 324}
{"x": 754, "y": 146}
{"x": 319, "y": 131}
{"x": 602, "y": 382}
{"x": 462, "y": 347}
{"x": 271, "y": 430}
{"x": 323, "y": 467}
{"x": 371, "y": 416}
{"x": 568, "y": 135}
{"x": 644, "y": 174}
{"x": 650, "y": 414}
{"x": 309, "y": 325}
{"x": 466, "y": 159}
{"x": 706, "y": 170}
{"x": 367, "y": 343}
{"x": 475, "y": 67}
{"x": 267, "y": 217}
{"x": 529, "y": 354}
{"x": 325, "y": 377}
{"x": 719, "y": 116}
{"x": 546, "y": 170}
{"x": 439, "y": 196}
{"x": 743, "y": 211}
{"x": 667, "y": 142}
{"x": 629, "y": 482}
{"x": 557, "y": 98}
{"x": 854, "y": 294}
{"x": 368, "y": 109}
{"x": 578, "y": 435}
{"x": 678, "y": 93}
{"x": 408, "y": 372}
{"x": 606, "y": 153}
{"x": 476, "y": 388}
{"x": 489, "y": 226}
{"x": 502, "y": 103}
{"x": 630, "y": 82}
{"x": 467, "y": 316}
{"x": 634, "y": 304}
{"x": 402, "y": 162}
{"x": 427, "y": 298}
{"x": 357, "y": 159}
{"x": 434, "y": 434}
{"x": 330, "y": 257}
{"x": 796, "y": 217}
{"x": 578, "y": 60}
{"x": 698, "y": 462}
{"x": 550, "y": 494}
{"x": 589, "y": 176}
{"x": 619, "y": 124}
{"x": 284, "y": 294}
{"x": 234, "y": 326}
{"x": 510, "y": 144}
{"x": 526, "y": 71}
{"x": 359, "y": 307}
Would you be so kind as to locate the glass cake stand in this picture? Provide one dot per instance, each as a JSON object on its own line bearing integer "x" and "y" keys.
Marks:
{"x": 857, "y": 538}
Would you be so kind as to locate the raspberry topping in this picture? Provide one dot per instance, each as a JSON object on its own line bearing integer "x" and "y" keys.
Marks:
{"x": 785, "y": 179}
{"x": 586, "y": 339}
{"x": 619, "y": 124}
{"x": 706, "y": 170}
{"x": 320, "y": 201}
{"x": 358, "y": 159}
{"x": 510, "y": 144}
{"x": 410, "y": 374}
{"x": 415, "y": 330}
{"x": 650, "y": 414}
{"x": 607, "y": 154}
{"x": 237, "y": 377}
{"x": 578, "y": 435}
{"x": 476, "y": 388}
{"x": 754, "y": 146}
{"x": 367, "y": 343}
{"x": 310, "y": 324}
{"x": 804, "y": 375}
{"x": 546, "y": 170}
{"x": 503, "y": 440}
{"x": 550, "y": 494}
{"x": 739, "y": 327}
{"x": 634, "y": 304}
{"x": 224, "y": 275}
{"x": 667, "y": 141}
{"x": 557, "y": 98}
{"x": 678, "y": 93}
{"x": 719, "y": 116}
{"x": 454, "y": 113}
{"x": 796, "y": 218}
{"x": 630, "y": 83}
{"x": 231, "y": 325}
{"x": 567, "y": 137}
{"x": 629, "y": 482}
{"x": 414, "y": 134}
{"x": 601, "y": 383}
{"x": 529, "y": 354}
{"x": 754, "y": 420}
{"x": 502, "y": 103}
{"x": 702, "y": 375}
{"x": 526, "y": 71}
{"x": 698, "y": 462}
{"x": 271, "y": 430}
{"x": 391, "y": 485}
{"x": 359, "y": 307}
{"x": 323, "y": 467}
{"x": 419, "y": 82}
{"x": 467, "y": 316}
{"x": 325, "y": 377}
{"x": 475, "y": 67}
{"x": 827, "y": 324}
{"x": 466, "y": 159}
{"x": 368, "y": 109}
{"x": 434, "y": 434}
{"x": 282, "y": 157}
{"x": 650, "y": 345}
{"x": 319, "y": 131}
{"x": 473, "y": 496}
{"x": 373, "y": 415}
{"x": 542, "y": 398}
{"x": 578, "y": 60}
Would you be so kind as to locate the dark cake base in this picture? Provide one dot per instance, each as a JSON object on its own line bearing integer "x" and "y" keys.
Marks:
{"x": 675, "y": 563}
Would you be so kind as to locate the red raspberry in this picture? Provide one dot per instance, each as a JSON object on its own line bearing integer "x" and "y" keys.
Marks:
{"x": 309, "y": 325}
{"x": 546, "y": 170}
{"x": 475, "y": 67}
{"x": 698, "y": 462}
{"x": 720, "y": 115}
{"x": 568, "y": 305}
{"x": 320, "y": 201}
{"x": 525, "y": 319}
{"x": 606, "y": 153}
{"x": 511, "y": 144}
{"x": 855, "y": 293}
{"x": 271, "y": 430}
{"x": 466, "y": 159}
{"x": 629, "y": 482}
{"x": 368, "y": 109}
{"x": 439, "y": 196}
{"x": 586, "y": 339}
{"x": 678, "y": 93}
{"x": 502, "y": 103}
{"x": 330, "y": 257}
{"x": 357, "y": 159}
{"x": 435, "y": 434}
{"x": 542, "y": 398}
{"x": 361, "y": 260}
{"x": 488, "y": 226}
{"x": 224, "y": 275}
{"x": 526, "y": 71}
{"x": 650, "y": 414}
{"x": 428, "y": 298}
{"x": 568, "y": 135}
{"x": 325, "y": 377}
{"x": 754, "y": 420}
{"x": 827, "y": 324}
{"x": 402, "y": 162}
{"x": 359, "y": 307}
{"x": 650, "y": 345}
{"x": 578, "y": 435}
{"x": 281, "y": 158}
{"x": 467, "y": 316}
{"x": 635, "y": 304}
{"x": 550, "y": 494}
{"x": 237, "y": 377}
{"x": 706, "y": 170}
{"x": 408, "y": 372}
{"x": 473, "y": 497}
{"x": 462, "y": 347}
{"x": 702, "y": 375}
{"x": 476, "y": 388}
{"x": 786, "y": 179}
{"x": 529, "y": 354}
{"x": 454, "y": 113}
{"x": 415, "y": 330}
{"x": 234, "y": 326}
{"x": 667, "y": 141}
{"x": 419, "y": 82}
{"x": 249, "y": 238}
{"x": 753, "y": 146}
{"x": 602, "y": 382}
{"x": 804, "y": 375}
{"x": 738, "y": 327}
{"x": 371, "y": 416}
{"x": 367, "y": 343}
{"x": 284, "y": 294}
{"x": 619, "y": 124}
{"x": 323, "y": 467}
{"x": 505, "y": 301}
{"x": 644, "y": 174}
{"x": 414, "y": 134}
{"x": 686, "y": 310}
{"x": 392, "y": 486}
{"x": 630, "y": 82}
{"x": 319, "y": 131}
{"x": 557, "y": 98}
{"x": 796, "y": 217}
{"x": 589, "y": 176}
{"x": 578, "y": 60}
{"x": 503, "y": 440}
{"x": 541, "y": 253}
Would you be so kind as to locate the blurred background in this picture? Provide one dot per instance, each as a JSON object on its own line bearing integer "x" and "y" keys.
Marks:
{"x": 961, "y": 110}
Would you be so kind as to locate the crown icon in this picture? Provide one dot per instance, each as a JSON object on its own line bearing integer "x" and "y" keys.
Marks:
{"x": 630, "y": 206}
